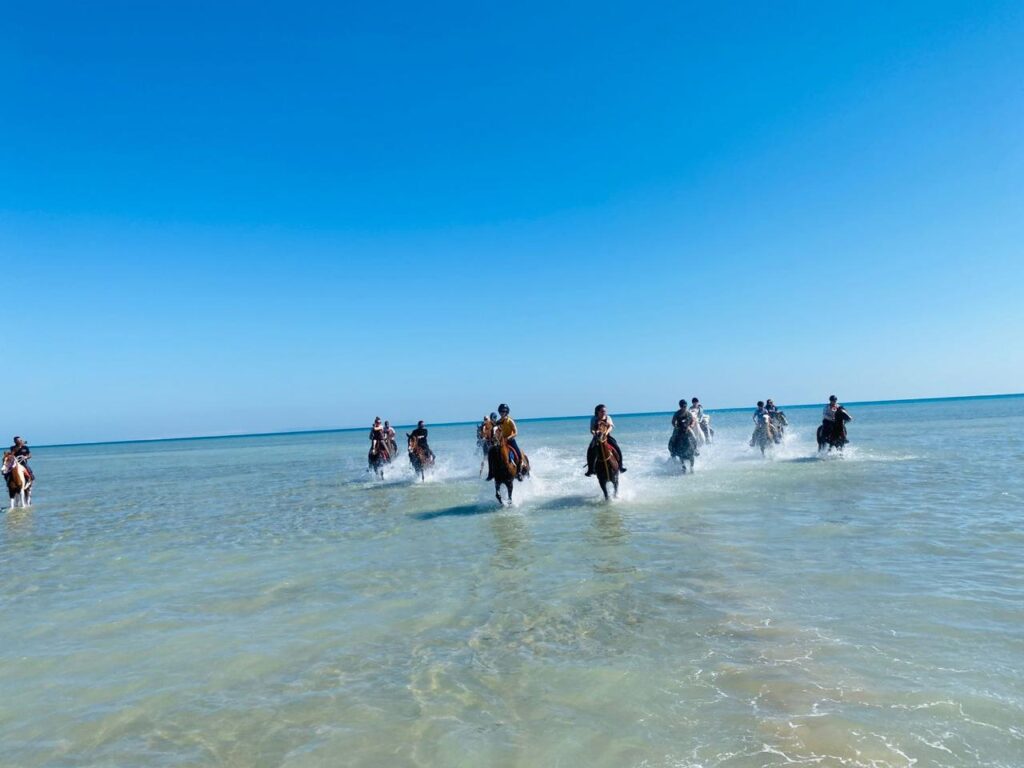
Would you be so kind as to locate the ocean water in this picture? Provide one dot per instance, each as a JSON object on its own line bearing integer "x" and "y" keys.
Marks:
{"x": 264, "y": 602}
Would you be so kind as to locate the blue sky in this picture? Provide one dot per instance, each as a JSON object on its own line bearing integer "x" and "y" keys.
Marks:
{"x": 262, "y": 217}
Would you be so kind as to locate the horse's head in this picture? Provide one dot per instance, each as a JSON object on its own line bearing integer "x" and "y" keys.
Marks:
{"x": 410, "y": 441}
{"x": 9, "y": 461}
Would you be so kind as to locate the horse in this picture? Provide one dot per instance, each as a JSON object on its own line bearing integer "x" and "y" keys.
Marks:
{"x": 484, "y": 442}
{"x": 683, "y": 446}
{"x": 705, "y": 428}
{"x": 502, "y": 468}
{"x": 419, "y": 457}
{"x": 779, "y": 424}
{"x": 377, "y": 458}
{"x": 19, "y": 483}
{"x": 835, "y": 435}
{"x": 764, "y": 434}
{"x": 606, "y": 463}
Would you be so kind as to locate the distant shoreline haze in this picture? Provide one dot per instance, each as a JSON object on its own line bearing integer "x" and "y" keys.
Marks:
{"x": 522, "y": 420}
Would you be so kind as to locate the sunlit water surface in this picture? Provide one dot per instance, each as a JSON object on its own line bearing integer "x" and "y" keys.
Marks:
{"x": 263, "y": 602}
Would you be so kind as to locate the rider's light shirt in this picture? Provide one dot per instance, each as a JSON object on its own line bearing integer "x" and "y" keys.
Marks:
{"x": 829, "y": 414}
{"x": 698, "y": 411}
{"x": 606, "y": 423}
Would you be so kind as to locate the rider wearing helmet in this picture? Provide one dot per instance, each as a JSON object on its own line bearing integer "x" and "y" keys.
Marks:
{"x": 600, "y": 423}
{"x": 506, "y": 428}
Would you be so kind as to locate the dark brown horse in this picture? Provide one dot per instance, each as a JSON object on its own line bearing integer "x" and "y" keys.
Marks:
{"x": 378, "y": 457}
{"x": 420, "y": 457}
{"x": 502, "y": 467}
{"x": 683, "y": 446}
{"x": 605, "y": 464}
{"x": 833, "y": 434}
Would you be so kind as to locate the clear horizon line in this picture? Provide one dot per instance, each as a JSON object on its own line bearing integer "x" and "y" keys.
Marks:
{"x": 731, "y": 409}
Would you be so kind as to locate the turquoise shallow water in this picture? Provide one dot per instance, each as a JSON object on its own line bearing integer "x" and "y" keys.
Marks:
{"x": 262, "y": 602}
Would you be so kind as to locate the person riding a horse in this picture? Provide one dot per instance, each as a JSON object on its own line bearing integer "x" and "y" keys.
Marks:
{"x": 389, "y": 436}
{"x": 22, "y": 453}
{"x": 420, "y": 435}
{"x": 684, "y": 418}
{"x": 696, "y": 409}
{"x": 778, "y": 419}
{"x": 762, "y": 421}
{"x": 828, "y": 416}
{"x": 485, "y": 431}
{"x": 379, "y": 439}
{"x": 601, "y": 424}
{"x": 505, "y": 429}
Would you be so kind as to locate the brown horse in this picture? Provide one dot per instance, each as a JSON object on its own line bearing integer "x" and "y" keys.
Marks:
{"x": 19, "y": 483}
{"x": 502, "y": 468}
{"x": 378, "y": 457}
{"x": 420, "y": 457}
{"x": 606, "y": 464}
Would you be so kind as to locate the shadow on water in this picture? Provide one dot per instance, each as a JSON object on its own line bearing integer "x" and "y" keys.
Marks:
{"x": 464, "y": 510}
{"x": 578, "y": 500}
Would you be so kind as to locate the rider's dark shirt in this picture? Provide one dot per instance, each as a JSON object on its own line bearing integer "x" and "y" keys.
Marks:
{"x": 420, "y": 433}
{"x": 681, "y": 419}
{"x": 23, "y": 451}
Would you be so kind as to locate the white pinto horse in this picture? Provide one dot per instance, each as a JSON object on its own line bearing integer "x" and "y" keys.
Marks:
{"x": 19, "y": 483}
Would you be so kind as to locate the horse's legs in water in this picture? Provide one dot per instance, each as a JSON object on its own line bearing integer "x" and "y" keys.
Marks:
{"x": 615, "y": 486}
{"x": 691, "y": 465}
{"x": 604, "y": 488}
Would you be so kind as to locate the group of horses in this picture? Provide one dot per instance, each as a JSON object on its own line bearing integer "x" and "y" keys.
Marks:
{"x": 687, "y": 437}
{"x": 384, "y": 452}
{"x": 19, "y": 481}
{"x": 769, "y": 430}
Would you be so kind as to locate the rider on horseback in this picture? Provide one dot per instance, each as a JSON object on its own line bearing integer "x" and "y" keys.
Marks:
{"x": 505, "y": 429}
{"x": 22, "y": 454}
{"x": 389, "y": 435}
{"x": 828, "y": 416}
{"x": 601, "y": 423}
{"x": 379, "y": 439}
{"x": 778, "y": 419}
{"x": 761, "y": 415}
{"x": 420, "y": 433}
{"x": 695, "y": 408}
{"x": 683, "y": 418}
